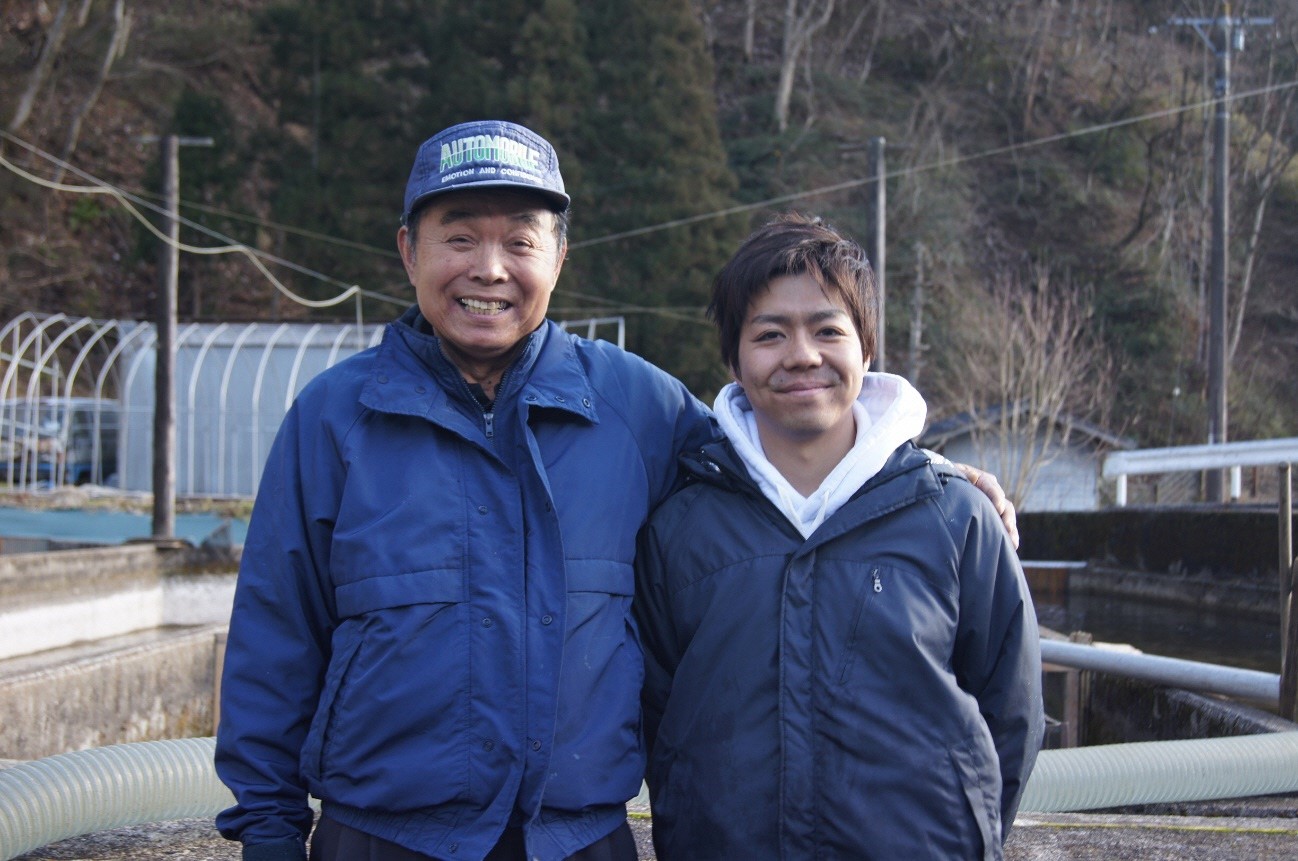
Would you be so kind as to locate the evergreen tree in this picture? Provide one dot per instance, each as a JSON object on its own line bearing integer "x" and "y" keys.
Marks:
{"x": 631, "y": 111}
{"x": 651, "y": 153}
{"x": 348, "y": 78}
{"x": 625, "y": 94}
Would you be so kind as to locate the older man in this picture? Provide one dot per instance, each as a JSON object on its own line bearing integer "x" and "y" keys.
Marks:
{"x": 432, "y": 631}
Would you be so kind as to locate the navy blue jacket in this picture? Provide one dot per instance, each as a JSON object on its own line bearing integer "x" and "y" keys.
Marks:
{"x": 870, "y": 692}
{"x": 432, "y": 626}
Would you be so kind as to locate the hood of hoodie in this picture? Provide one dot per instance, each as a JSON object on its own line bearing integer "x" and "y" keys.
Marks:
{"x": 888, "y": 412}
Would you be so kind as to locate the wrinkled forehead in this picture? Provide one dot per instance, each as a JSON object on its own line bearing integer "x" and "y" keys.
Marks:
{"x": 523, "y": 207}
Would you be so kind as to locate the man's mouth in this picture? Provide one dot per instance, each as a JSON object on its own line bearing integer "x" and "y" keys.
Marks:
{"x": 479, "y": 306}
{"x": 793, "y": 386}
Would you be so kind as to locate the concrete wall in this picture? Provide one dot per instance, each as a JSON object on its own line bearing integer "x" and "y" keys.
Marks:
{"x": 135, "y": 688}
{"x": 1119, "y": 709}
{"x": 1223, "y": 557}
{"x": 49, "y": 600}
{"x": 110, "y": 645}
{"x": 1221, "y": 542}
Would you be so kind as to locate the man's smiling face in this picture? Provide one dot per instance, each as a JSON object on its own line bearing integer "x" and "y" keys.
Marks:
{"x": 483, "y": 265}
{"x": 800, "y": 364}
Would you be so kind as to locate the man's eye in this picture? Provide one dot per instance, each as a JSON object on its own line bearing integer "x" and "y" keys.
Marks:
{"x": 769, "y": 335}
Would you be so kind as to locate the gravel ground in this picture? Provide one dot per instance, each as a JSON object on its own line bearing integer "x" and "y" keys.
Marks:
{"x": 1259, "y": 830}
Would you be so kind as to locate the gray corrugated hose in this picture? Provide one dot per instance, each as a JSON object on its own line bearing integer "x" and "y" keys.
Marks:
{"x": 128, "y": 784}
{"x": 1152, "y": 772}
{"x": 71, "y": 794}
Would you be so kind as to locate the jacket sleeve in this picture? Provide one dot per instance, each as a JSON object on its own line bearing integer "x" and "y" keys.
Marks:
{"x": 278, "y": 644}
{"x": 998, "y": 652}
{"x": 657, "y": 638}
{"x": 689, "y": 427}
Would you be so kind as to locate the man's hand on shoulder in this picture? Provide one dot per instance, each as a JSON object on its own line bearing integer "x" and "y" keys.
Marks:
{"x": 987, "y": 483}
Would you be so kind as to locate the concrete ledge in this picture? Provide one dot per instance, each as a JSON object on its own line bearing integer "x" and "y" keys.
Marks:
{"x": 1120, "y": 710}
{"x": 141, "y": 687}
{"x": 35, "y": 579}
{"x": 51, "y": 600}
{"x": 1256, "y": 597}
{"x": 1269, "y": 834}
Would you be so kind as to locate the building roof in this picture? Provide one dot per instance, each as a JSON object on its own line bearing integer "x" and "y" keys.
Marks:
{"x": 942, "y": 432}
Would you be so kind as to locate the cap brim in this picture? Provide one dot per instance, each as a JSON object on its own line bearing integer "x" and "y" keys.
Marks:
{"x": 558, "y": 202}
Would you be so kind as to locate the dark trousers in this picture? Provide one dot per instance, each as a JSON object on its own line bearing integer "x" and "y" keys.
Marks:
{"x": 333, "y": 841}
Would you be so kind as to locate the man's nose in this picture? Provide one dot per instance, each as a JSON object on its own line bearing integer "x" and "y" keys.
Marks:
{"x": 488, "y": 264}
{"x": 801, "y": 352}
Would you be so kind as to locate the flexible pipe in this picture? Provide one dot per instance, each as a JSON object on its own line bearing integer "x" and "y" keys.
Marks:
{"x": 71, "y": 794}
{"x": 1153, "y": 772}
{"x": 129, "y": 784}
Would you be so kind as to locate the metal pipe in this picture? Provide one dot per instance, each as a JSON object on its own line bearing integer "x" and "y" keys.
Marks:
{"x": 1173, "y": 672}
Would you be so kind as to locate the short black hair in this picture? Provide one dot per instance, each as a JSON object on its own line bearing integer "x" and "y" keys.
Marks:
{"x": 794, "y": 244}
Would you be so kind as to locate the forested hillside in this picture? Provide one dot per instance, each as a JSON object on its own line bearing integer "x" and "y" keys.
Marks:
{"x": 1049, "y": 185}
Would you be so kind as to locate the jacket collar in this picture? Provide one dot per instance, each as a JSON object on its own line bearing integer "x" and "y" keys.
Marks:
{"x": 718, "y": 464}
{"x": 413, "y": 377}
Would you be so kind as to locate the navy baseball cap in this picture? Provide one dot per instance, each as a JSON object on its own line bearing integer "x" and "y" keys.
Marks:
{"x": 485, "y": 154}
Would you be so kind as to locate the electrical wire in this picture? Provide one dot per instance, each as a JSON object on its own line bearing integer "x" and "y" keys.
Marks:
{"x": 125, "y": 198}
{"x": 286, "y": 228}
{"x": 917, "y": 169}
{"x": 129, "y": 201}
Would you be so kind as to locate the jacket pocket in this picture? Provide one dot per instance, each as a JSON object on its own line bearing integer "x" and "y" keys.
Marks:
{"x": 865, "y": 591}
{"x": 979, "y": 777}
{"x": 441, "y": 586}
{"x": 345, "y": 644}
{"x": 392, "y": 730}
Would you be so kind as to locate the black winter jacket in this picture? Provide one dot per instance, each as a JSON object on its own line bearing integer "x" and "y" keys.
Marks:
{"x": 871, "y": 692}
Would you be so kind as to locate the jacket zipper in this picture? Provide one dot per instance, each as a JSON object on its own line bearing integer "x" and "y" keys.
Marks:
{"x": 488, "y": 415}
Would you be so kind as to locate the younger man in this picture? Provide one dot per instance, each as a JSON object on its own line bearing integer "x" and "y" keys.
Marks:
{"x": 841, "y": 652}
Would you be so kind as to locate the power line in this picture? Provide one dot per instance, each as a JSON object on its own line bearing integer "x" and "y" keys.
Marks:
{"x": 123, "y": 196}
{"x": 130, "y": 201}
{"x": 910, "y": 171}
{"x": 286, "y": 228}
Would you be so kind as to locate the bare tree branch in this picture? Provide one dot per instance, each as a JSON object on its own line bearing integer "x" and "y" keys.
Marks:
{"x": 44, "y": 64}
{"x": 1035, "y": 366}
{"x": 1266, "y": 171}
{"x": 800, "y": 25}
{"x": 116, "y": 47}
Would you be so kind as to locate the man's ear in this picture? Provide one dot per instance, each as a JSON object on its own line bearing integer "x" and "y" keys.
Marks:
{"x": 563, "y": 258}
{"x": 406, "y": 252}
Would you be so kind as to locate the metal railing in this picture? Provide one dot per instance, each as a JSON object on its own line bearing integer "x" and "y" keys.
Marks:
{"x": 1173, "y": 672}
{"x": 1189, "y": 458}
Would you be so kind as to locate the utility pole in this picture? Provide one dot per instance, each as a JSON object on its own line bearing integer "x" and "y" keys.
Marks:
{"x": 1222, "y": 35}
{"x": 877, "y": 192}
{"x": 164, "y": 379}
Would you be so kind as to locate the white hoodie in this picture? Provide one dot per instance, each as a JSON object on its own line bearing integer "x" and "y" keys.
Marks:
{"x": 888, "y": 412}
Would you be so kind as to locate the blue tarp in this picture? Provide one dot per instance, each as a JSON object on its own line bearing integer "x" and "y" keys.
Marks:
{"x": 110, "y": 527}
